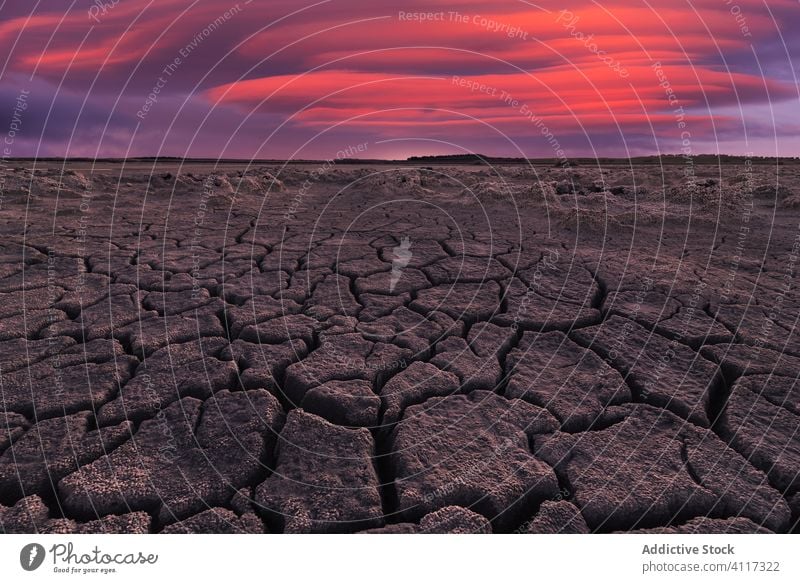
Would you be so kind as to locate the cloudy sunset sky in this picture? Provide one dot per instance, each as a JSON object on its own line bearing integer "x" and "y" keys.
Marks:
{"x": 295, "y": 79}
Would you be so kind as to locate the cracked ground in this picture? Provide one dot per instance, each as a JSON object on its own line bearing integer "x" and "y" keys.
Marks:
{"x": 395, "y": 349}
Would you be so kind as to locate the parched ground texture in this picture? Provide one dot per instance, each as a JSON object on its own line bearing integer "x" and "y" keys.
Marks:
{"x": 401, "y": 350}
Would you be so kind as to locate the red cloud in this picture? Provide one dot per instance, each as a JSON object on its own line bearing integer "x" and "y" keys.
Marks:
{"x": 567, "y": 98}
{"x": 357, "y": 64}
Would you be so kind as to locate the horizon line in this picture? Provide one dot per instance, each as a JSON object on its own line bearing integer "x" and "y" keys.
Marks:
{"x": 440, "y": 158}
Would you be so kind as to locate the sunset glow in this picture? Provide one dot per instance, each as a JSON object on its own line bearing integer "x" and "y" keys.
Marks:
{"x": 279, "y": 79}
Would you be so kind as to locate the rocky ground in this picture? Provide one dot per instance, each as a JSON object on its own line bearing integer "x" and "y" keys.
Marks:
{"x": 395, "y": 349}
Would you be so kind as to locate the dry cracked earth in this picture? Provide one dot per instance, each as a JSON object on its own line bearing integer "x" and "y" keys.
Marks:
{"x": 398, "y": 350}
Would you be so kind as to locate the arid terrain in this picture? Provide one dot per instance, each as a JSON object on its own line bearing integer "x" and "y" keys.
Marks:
{"x": 378, "y": 348}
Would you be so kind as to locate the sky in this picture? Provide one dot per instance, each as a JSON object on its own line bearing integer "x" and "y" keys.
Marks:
{"x": 298, "y": 79}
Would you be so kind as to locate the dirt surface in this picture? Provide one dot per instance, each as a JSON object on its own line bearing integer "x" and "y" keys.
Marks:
{"x": 396, "y": 349}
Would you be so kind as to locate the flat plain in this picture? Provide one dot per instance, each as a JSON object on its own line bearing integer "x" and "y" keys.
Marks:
{"x": 323, "y": 348}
